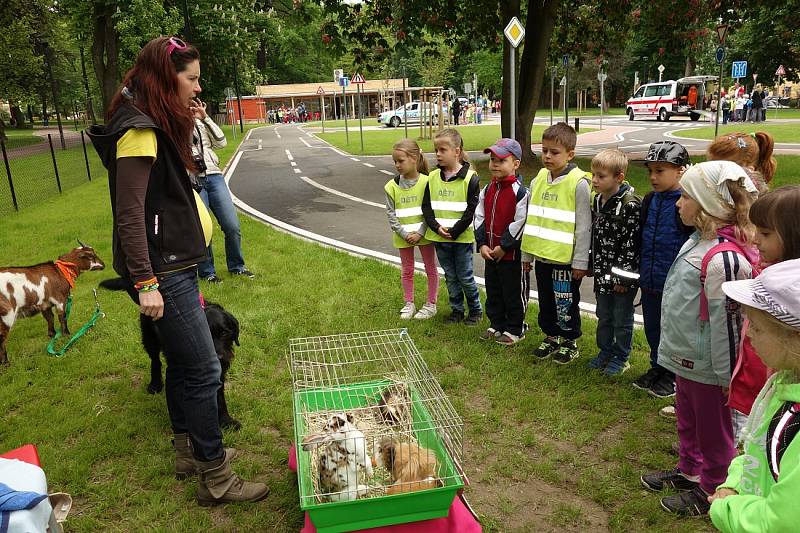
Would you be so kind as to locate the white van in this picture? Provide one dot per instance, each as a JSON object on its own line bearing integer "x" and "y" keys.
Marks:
{"x": 666, "y": 99}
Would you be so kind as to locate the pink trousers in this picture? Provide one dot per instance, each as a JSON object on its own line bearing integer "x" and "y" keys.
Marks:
{"x": 407, "y": 271}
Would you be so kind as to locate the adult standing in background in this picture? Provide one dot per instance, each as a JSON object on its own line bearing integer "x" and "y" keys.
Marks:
{"x": 758, "y": 103}
{"x": 216, "y": 196}
{"x": 456, "y": 110}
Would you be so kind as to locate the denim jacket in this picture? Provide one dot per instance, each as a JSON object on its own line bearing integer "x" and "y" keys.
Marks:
{"x": 701, "y": 351}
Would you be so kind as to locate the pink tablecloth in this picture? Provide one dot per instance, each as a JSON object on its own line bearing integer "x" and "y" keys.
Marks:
{"x": 459, "y": 519}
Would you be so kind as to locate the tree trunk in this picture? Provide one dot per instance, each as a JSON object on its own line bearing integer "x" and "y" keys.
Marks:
{"x": 689, "y": 70}
{"x": 539, "y": 29}
{"x": 105, "y": 45}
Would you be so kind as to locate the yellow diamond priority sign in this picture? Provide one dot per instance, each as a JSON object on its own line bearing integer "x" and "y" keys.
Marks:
{"x": 514, "y": 32}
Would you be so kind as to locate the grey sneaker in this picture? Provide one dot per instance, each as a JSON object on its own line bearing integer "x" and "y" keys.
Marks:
{"x": 489, "y": 334}
{"x": 244, "y": 272}
{"x": 473, "y": 319}
{"x": 566, "y": 353}
{"x": 213, "y": 279}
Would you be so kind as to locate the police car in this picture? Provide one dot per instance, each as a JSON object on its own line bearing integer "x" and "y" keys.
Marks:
{"x": 410, "y": 113}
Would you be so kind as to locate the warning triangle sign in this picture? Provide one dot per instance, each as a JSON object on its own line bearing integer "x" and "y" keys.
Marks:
{"x": 357, "y": 78}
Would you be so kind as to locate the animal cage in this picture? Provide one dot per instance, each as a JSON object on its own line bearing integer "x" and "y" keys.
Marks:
{"x": 369, "y": 399}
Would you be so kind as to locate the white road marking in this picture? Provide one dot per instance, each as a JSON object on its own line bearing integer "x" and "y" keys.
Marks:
{"x": 297, "y": 170}
{"x": 247, "y": 138}
{"x": 355, "y": 159}
{"x": 387, "y": 172}
{"x": 289, "y": 155}
{"x": 340, "y": 193}
{"x": 305, "y": 142}
{"x": 293, "y": 163}
{"x": 368, "y": 165}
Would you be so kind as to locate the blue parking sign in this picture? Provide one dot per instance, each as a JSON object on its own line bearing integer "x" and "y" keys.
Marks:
{"x": 739, "y": 69}
{"x": 565, "y": 59}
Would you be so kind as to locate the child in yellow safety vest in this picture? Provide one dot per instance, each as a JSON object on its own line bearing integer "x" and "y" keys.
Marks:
{"x": 449, "y": 207}
{"x": 404, "y": 195}
{"x": 557, "y": 238}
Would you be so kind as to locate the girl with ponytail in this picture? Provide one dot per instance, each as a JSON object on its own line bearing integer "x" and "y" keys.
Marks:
{"x": 752, "y": 151}
{"x": 404, "y": 194}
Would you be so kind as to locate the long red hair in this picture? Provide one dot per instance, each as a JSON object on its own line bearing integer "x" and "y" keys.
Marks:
{"x": 153, "y": 81}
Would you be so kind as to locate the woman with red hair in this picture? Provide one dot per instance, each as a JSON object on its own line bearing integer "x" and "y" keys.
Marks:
{"x": 160, "y": 236}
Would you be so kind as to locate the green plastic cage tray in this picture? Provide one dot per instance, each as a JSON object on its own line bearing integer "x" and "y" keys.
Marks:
{"x": 350, "y": 373}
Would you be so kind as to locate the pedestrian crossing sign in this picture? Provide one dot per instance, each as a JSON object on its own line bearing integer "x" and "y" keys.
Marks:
{"x": 358, "y": 78}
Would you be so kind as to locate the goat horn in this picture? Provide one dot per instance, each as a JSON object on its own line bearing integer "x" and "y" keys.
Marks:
{"x": 82, "y": 245}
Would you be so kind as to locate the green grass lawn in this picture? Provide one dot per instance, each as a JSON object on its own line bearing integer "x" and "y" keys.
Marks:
{"x": 546, "y": 447}
{"x": 20, "y": 137}
{"x": 783, "y": 133}
{"x": 380, "y": 142}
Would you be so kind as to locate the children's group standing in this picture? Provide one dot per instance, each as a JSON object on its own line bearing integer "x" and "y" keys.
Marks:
{"x": 693, "y": 245}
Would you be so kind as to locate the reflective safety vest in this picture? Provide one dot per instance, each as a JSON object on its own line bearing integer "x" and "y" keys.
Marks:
{"x": 550, "y": 228}
{"x": 407, "y": 208}
{"x": 449, "y": 201}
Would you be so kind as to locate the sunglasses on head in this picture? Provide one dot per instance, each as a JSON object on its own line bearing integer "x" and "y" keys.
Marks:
{"x": 175, "y": 44}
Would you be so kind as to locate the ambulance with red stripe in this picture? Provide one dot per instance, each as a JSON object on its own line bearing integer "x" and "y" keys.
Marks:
{"x": 685, "y": 97}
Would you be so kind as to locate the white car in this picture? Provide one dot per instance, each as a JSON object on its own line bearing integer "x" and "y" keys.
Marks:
{"x": 410, "y": 113}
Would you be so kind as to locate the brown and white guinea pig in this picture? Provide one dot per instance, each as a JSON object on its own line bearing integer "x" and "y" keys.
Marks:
{"x": 412, "y": 467}
{"x": 344, "y": 452}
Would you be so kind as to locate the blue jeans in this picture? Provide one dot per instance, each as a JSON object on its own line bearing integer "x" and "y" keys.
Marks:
{"x": 217, "y": 197}
{"x": 193, "y": 368}
{"x": 615, "y": 324}
{"x": 651, "y": 313}
{"x": 456, "y": 261}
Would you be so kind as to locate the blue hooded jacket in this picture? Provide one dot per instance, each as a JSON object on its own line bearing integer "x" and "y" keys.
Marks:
{"x": 663, "y": 234}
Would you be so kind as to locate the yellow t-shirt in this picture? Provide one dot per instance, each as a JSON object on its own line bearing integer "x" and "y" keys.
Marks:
{"x": 142, "y": 143}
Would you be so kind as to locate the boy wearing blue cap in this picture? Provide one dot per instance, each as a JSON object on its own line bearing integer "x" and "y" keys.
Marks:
{"x": 499, "y": 222}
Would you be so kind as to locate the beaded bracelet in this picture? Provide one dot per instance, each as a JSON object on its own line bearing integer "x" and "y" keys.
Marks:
{"x": 148, "y": 288}
{"x": 146, "y": 285}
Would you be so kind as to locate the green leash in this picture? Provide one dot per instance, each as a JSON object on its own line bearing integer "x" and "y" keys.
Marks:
{"x": 81, "y": 332}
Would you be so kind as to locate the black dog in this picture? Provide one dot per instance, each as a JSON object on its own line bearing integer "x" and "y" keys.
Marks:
{"x": 224, "y": 330}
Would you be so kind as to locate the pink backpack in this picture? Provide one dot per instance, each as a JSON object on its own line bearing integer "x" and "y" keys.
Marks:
{"x": 750, "y": 374}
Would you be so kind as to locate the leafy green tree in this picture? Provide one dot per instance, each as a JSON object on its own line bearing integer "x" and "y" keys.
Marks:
{"x": 470, "y": 27}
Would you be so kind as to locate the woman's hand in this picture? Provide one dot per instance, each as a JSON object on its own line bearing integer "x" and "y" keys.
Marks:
{"x": 198, "y": 109}
{"x": 151, "y": 304}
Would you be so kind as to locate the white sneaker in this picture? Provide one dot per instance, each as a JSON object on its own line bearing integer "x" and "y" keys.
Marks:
{"x": 427, "y": 311}
{"x": 408, "y": 311}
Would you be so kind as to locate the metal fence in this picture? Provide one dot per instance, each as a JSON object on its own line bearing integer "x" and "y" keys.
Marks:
{"x": 36, "y": 172}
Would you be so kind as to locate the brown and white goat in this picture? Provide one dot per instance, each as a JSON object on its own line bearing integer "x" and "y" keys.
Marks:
{"x": 26, "y": 291}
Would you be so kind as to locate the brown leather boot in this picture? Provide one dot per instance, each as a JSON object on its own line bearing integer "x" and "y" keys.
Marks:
{"x": 184, "y": 460}
{"x": 219, "y": 484}
{"x": 185, "y": 466}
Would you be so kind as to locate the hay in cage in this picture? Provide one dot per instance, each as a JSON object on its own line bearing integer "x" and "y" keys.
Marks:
{"x": 388, "y": 415}
{"x": 381, "y": 383}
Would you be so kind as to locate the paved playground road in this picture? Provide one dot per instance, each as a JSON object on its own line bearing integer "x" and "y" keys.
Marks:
{"x": 321, "y": 193}
{"x": 288, "y": 177}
